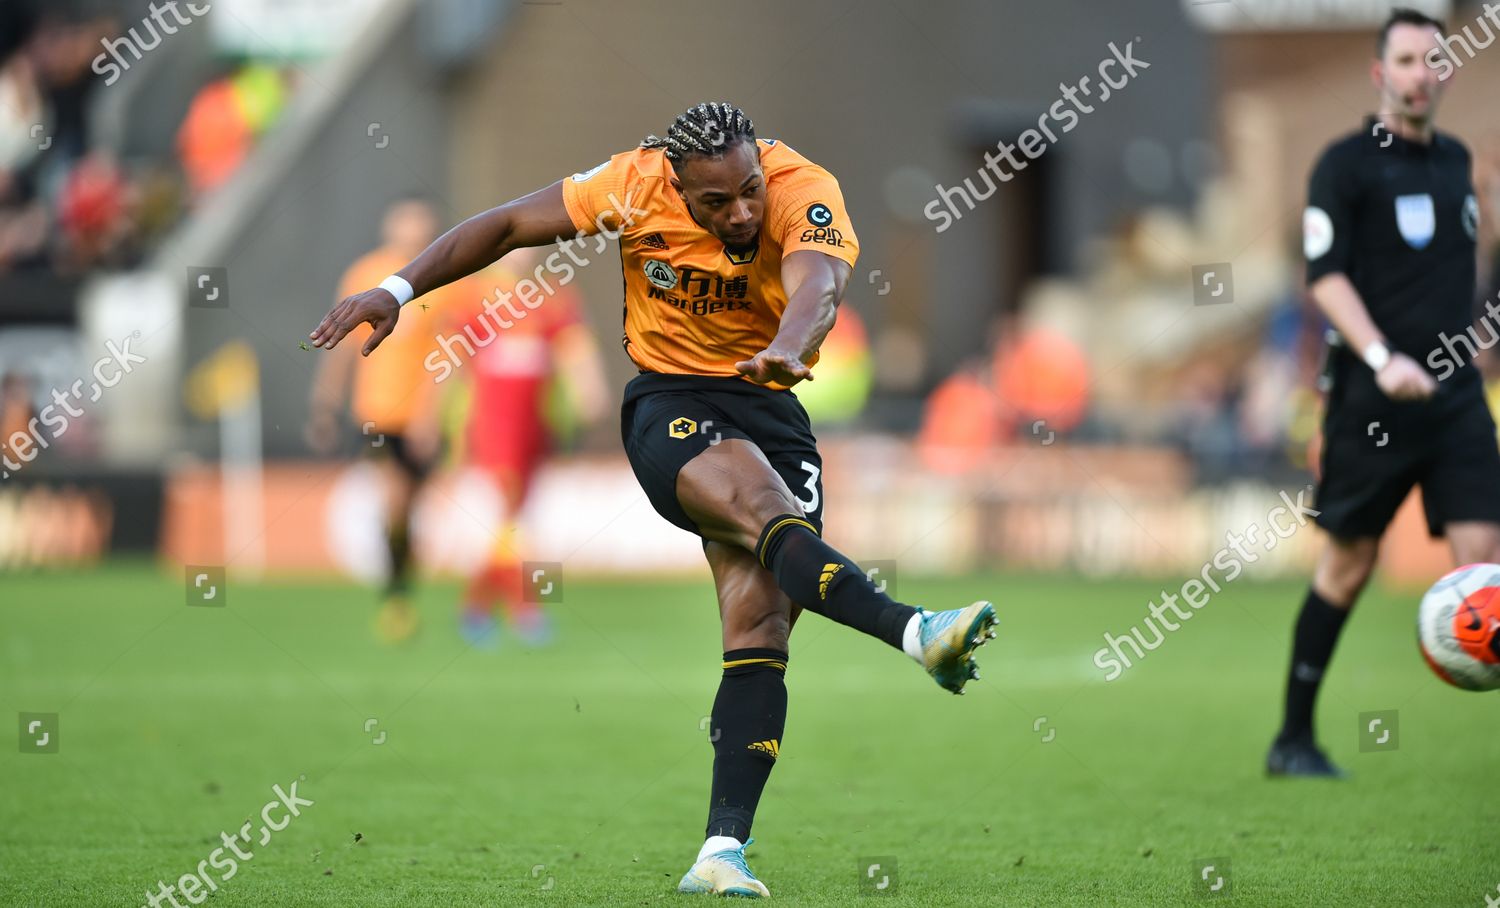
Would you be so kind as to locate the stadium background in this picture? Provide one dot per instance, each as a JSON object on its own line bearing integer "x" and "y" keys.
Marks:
{"x": 1036, "y": 389}
{"x": 1153, "y": 402}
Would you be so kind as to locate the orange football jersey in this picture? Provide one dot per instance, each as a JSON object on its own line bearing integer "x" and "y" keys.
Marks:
{"x": 691, "y": 306}
{"x": 391, "y": 387}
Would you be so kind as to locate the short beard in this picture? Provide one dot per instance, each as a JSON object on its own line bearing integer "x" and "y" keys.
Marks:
{"x": 754, "y": 242}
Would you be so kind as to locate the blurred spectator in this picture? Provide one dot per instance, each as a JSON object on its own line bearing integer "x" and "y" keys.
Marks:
{"x": 1035, "y": 385}
{"x": 68, "y": 204}
{"x": 1271, "y": 377}
{"x": 15, "y": 406}
{"x": 93, "y": 212}
{"x": 1043, "y": 379}
{"x": 45, "y": 85}
{"x": 62, "y": 54}
{"x": 16, "y": 22}
{"x": 960, "y": 423}
{"x": 223, "y": 121}
{"x": 844, "y": 373}
{"x": 24, "y": 117}
{"x": 24, "y": 127}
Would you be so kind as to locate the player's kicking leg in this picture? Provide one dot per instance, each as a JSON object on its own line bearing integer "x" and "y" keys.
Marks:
{"x": 729, "y": 490}
{"x": 735, "y": 497}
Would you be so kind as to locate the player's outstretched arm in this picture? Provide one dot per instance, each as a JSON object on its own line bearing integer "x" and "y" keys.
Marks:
{"x": 815, "y": 285}
{"x": 1398, "y": 375}
{"x": 532, "y": 220}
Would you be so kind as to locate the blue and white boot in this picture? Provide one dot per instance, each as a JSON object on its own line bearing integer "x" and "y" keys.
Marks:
{"x": 944, "y": 643}
{"x": 724, "y": 872}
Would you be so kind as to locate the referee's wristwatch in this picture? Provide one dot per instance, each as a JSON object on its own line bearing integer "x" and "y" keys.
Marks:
{"x": 1376, "y": 355}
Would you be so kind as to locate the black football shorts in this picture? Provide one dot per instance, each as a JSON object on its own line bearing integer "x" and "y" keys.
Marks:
{"x": 1375, "y": 449}
{"x": 667, "y": 420}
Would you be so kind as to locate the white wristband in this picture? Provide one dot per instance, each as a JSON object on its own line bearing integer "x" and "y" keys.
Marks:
{"x": 1376, "y": 356}
{"x": 397, "y": 286}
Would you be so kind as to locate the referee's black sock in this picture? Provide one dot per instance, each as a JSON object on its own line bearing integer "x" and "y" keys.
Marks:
{"x": 748, "y": 718}
{"x": 820, "y": 579}
{"x": 1317, "y": 631}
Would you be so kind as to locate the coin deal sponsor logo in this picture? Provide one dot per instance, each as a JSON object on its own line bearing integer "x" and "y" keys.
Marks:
{"x": 830, "y": 235}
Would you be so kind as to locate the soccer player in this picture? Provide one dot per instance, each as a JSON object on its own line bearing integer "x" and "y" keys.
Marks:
{"x": 507, "y": 436}
{"x": 1389, "y": 236}
{"x": 392, "y": 398}
{"x": 736, "y": 252}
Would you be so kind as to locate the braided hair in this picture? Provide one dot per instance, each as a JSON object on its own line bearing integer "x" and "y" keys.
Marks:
{"x": 709, "y": 129}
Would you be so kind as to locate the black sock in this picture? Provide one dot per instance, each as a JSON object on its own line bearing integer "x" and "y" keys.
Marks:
{"x": 748, "y": 718}
{"x": 398, "y": 543}
{"x": 820, "y": 579}
{"x": 1317, "y": 631}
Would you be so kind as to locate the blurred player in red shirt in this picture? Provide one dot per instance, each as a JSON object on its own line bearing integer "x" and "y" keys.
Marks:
{"x": 517, "y": 363}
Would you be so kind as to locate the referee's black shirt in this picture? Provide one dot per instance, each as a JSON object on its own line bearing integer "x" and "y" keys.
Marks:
{"x": 1399, "y": 219}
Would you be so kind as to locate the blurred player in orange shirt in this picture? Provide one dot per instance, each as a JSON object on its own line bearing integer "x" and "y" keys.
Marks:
{"x": 392, "y": 396}
{"x": 515, "y": 361}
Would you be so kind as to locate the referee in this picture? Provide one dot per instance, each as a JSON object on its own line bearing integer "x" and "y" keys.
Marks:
{"x": 1389, "y": 234}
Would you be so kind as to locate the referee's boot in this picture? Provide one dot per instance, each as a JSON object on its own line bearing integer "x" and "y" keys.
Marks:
{"x": 1300, "y": 757}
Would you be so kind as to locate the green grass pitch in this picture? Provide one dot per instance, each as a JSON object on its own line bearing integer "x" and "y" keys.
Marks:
{"x": 578, "y": 774}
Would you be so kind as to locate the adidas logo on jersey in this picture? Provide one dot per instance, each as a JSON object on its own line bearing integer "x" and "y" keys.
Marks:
{"x": 827, "y": 577}
{"x": 772, "y": 747}
{"x": 654, "y": 241}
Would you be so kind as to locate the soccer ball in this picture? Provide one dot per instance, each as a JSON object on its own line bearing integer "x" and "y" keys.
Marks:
{"x": 1458, "y": 627}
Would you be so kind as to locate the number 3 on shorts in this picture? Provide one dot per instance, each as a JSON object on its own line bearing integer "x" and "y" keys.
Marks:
{"x": 811, "y": 503}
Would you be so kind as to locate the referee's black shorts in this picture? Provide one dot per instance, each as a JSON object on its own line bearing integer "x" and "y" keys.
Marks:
{"x": 1375, "y": 449}
{"x": 667, "y": 420}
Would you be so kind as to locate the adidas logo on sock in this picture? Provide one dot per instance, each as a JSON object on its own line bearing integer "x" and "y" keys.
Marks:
{"x": 772, "y": 747}
{"x": 654, "y": 241}
{"x": 827, "y": 577}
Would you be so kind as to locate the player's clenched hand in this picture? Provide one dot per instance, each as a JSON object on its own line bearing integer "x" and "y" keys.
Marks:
{"x": 1403, "y": 379}
{"x": 772, "y": 365}
{"x": 378, "y": 307}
